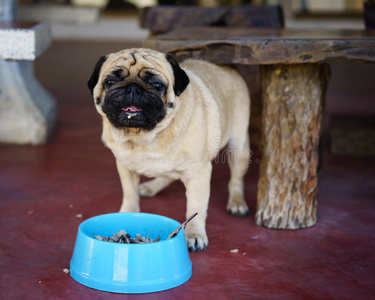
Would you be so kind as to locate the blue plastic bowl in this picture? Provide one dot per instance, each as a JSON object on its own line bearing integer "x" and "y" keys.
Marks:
{"x": 130, "y": 268}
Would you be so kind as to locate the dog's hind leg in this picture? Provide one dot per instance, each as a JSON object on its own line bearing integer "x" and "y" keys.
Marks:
{"x": 152, "y": 187}
{"x": 238, "y": 160}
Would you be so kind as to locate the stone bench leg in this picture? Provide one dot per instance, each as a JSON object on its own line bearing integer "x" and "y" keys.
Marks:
{"x": 27, "y": 111}
{"x": 293, "y": 99}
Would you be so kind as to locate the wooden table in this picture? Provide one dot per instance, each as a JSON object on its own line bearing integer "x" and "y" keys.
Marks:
{"x": 294, "y": 72}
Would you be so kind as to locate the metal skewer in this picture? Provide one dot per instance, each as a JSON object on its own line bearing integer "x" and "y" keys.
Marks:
{"x": 183, "y": 225}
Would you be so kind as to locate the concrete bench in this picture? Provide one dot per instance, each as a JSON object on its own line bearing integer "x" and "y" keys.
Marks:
{"x": 27, "y": 111}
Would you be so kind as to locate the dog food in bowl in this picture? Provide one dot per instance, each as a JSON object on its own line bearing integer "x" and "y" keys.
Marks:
{"x": 122, "y": 237}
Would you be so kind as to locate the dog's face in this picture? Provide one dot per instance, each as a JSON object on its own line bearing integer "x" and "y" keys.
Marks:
{"x": 136, "y": 87}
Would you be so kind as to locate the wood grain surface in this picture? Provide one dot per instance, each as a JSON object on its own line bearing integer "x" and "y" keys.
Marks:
{"x": 225, "y": 45}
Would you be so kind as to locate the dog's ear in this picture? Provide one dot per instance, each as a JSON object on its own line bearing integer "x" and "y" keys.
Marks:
{"x": 181, "y": 80}
{"x": 95, "y": 75}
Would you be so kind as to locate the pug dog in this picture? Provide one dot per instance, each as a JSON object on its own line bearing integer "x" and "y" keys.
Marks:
{"x": 168, "y": 121}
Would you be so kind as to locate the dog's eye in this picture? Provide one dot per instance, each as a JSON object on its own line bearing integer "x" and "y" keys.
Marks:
{"x": 157, "y": 85}
{"x": 109, "y": 83}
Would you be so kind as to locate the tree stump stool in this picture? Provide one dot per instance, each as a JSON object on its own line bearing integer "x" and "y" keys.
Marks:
{"x": 294, "y": 75}
{"x": 293, "y": 101}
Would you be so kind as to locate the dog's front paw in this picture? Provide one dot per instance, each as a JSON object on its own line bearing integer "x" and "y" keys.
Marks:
{"x": 237, "y": 207}
{"x": 196, "y": 241}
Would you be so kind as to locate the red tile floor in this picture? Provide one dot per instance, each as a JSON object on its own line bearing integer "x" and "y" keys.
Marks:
{"x": 43, "y": 190}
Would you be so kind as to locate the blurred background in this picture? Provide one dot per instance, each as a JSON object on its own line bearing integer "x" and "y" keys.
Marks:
{"x": 93, "y": 19}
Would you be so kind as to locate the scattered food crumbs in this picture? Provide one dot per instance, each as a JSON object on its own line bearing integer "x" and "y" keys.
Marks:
{"x": 234, "y": 251}
{"x": 66, "y": 271}
{"x": 254, "y": 237}
{"x": 40, "y": 281}
{"x": 30, "y": 212}
{"x": 122, "y": 237}
{"x": 244, "y": 253}
{"x": 79, "y": 215}
{"x": 70, "y": 205}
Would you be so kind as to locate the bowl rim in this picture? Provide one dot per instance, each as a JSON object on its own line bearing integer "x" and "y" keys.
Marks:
{"x": 80, "y": 230}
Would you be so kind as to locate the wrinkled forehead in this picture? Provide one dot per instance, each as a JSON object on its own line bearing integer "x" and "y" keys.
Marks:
{"x": 137, "y": 60}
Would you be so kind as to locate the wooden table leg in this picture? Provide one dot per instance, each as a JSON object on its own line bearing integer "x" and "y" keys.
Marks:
{"x": 293, "y": 99}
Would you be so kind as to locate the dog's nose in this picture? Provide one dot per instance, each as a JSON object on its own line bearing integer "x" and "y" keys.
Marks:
{"x": 133, "y": 90}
